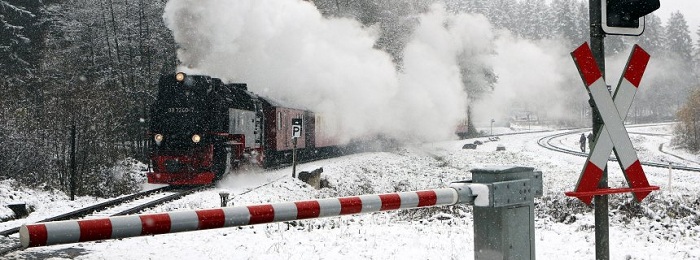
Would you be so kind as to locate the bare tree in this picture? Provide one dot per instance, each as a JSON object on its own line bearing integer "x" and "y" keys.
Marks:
{"x": 687, "y": 134}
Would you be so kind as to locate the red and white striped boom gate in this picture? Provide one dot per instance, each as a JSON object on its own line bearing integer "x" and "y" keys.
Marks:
{"x": 502, "y": 197}
{"x": 73, "y": 231}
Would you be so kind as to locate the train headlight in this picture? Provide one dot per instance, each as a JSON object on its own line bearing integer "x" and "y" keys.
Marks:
{"x": 158, "y": 138}
{"x": 180, "y": 76}
{"x": 196, "y": 138}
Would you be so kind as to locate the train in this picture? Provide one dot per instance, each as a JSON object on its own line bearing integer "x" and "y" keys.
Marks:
{"x": 202, "y": 128}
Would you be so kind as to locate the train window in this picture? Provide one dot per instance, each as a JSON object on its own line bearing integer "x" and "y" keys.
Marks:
{"x": 279, "y": 121}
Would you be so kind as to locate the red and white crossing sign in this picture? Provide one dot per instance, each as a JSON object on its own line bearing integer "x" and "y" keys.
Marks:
{"x": 612, "y": 136}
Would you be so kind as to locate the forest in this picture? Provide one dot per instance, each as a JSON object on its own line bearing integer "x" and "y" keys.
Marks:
{"x": 92, "y": 66}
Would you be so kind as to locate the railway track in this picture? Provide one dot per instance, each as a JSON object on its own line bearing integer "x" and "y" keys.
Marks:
{"x": 547, "y": 142}
{"x": 94, "y": 208}
{"x": 130, "y": 204}
{"x": 661, "y": 149}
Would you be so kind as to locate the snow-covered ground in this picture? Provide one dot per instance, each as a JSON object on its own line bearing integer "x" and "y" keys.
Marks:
{"x": 666, "y": 225}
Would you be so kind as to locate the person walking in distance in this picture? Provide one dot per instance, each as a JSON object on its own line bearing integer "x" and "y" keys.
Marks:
{"x": 582, "y": 142}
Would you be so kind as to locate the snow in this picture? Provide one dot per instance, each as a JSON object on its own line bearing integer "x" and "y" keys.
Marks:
{"x": 666, "y": 225}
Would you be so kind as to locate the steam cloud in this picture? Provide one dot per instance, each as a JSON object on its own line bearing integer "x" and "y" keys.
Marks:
{"x": 532, "y": 75}
{"x": 286, "y": 50}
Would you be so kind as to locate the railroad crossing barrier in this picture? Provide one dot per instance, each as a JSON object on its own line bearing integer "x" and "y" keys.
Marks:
{"x": 503, "y": 199}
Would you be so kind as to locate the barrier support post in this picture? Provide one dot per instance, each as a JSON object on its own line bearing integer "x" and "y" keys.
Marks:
{"x": 505, "y": 227}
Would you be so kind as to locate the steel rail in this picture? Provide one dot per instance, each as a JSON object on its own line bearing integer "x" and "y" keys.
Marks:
{"x": 16, "y": 245}
{"x": 78, "y": 214}
{"x": 546, "y": 142}
{"x": 93, "y": 208}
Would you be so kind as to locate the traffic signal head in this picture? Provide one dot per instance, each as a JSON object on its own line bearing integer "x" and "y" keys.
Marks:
{"x": 626, "y": 13}
{"x": 624, "y": 16}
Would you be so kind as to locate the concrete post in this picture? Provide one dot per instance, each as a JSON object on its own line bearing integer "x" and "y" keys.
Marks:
{"x": 505, "y": 229}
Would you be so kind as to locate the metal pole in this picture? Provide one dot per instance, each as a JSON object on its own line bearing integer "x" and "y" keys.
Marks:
{"x": 670, "y": 176}
{"x": 294, "y": 158}
{"x": 528, "y": 121}
{"x": 602, "y": 226}
{"x": 72, "y": 163}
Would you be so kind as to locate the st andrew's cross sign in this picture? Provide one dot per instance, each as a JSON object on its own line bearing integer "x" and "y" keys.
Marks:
{"x": 612, "y": 136}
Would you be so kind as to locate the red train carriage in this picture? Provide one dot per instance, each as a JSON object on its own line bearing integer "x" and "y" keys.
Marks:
{"x": 277, "y": 145}
{"x": 201, "y": 128}
{"x": 318, "y": 138}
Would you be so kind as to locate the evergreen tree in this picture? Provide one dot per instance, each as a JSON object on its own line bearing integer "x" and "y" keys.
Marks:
{"x": 13, "y": 40}
{"x": 582, "y": 30}
{"x": 680, "y": 48}
{"x": 614, "y": 44}
{"x": 698, "y": 37}
{"x": 395, "y": 19}
{"x": 697, "y": 57}
{"x": 698, "y": 44}
{"x": 468, "y": 6}
{"x": 565, "y": 22}
{"x": 532, "y": 19}
{"x": 671, "y": 87}
{"x": 652, "y": 39}
{"x": 500, "y": 13}
{"x": 677, "y": 38}
{"x": 21, "y": 103}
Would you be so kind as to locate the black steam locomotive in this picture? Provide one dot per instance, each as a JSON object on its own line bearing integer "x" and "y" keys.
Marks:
{"x": 203, "y": 128}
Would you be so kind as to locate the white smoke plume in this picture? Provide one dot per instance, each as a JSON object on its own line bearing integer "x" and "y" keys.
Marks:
{"x": 286, "y": 50}
{"x": 538, "y": 76}
{"x": 431, "y": 82}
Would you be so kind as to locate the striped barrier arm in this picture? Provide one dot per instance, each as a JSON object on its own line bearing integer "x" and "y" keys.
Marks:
{"x": 73, "y": 231}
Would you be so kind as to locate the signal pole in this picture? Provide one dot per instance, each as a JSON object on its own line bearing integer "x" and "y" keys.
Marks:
{"x": 294, "y": 158}
{"x": 602, "y": 225}
{"x": 72, "y": 163}
{"x": 296, "y": 133}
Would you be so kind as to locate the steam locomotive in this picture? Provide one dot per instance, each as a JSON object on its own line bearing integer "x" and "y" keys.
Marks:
{"x": 202, "y": 128}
